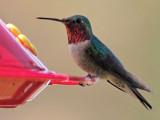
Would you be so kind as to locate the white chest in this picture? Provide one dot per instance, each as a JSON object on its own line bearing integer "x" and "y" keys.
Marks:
{"x": 82, "y": 59}
{"x": 78, "y": 51}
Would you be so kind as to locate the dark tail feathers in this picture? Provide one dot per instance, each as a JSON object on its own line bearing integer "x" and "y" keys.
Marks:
{"x": 141, "y": 98}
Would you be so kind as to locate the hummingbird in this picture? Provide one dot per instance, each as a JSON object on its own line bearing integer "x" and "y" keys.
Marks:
{"x": 95, "y": 58}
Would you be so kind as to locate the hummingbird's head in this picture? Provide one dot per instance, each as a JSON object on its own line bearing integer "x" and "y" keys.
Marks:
{"x": 78, "y": 28}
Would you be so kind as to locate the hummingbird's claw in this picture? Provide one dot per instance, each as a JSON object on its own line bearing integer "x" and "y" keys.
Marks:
{"x": 84, "y": 84}
{"x": 89, "y": 81}
{"x": 81, "y": 84}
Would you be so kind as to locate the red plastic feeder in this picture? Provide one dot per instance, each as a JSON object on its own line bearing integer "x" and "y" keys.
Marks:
{"x": 22, "y": 74}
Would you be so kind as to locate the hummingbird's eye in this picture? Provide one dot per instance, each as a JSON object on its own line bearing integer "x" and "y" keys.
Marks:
{"x": 79, "y": 20}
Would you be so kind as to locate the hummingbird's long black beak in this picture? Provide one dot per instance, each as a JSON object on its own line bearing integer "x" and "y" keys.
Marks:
{"x": 55, "y": 19}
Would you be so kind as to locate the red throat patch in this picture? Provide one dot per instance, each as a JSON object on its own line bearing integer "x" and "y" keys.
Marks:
{"x": 76, "y": 35}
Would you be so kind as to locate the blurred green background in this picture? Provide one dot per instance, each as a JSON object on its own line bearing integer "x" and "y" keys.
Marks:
{"x": 130, "y": 28}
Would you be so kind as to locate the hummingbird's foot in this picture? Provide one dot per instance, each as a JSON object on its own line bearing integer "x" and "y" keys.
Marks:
{"x": 89, "y": 81}
{"x": 81, "y": 84}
